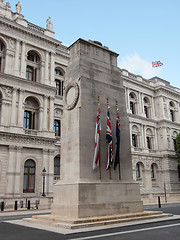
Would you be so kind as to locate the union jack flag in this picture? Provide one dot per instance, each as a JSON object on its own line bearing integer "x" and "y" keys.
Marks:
{"x": 157, "y": 64}
{"x": 97, "y": 138}
{"x": 109, "y": 140}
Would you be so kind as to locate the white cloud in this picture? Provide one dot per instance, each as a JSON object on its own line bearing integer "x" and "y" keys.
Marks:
{"x": 135, "y": 64}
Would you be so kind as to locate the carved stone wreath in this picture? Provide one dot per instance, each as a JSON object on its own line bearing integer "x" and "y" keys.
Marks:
{"x": 71, "y": 95}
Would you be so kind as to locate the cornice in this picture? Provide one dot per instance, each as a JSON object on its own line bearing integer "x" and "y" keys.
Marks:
{"x": 25, "y": 30}
{"x": 23, "y": 84}
{"x": 13, "y": 138}
{"x": 163, "y": 91}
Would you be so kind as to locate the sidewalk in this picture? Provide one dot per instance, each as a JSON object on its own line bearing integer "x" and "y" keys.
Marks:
{"x": 23, "y": 212}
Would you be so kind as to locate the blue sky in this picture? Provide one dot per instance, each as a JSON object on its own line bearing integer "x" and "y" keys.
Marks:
{"x": 141, "y": 31}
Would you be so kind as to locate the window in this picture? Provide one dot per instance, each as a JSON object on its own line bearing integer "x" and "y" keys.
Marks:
{"x": 57, "y": 166}
{"x": 2, "y": 56}
{"x": 33, "y": 66}
{"x": 31, "y": 73}
{"x": 174, "y": 143}
{"x": 59, "y": 87}
{"x": 134, "y": 140}
{"x": 138, "y": 174}
{"x": 172, "y": 115}
{"x": 29, "y": 176}
{"x": 31, "y": 113}
{"x": 146, "y": 111}
{"x": 179, "y": 172}
{"x": 132, "y": 108}
{"x": 57, "y": 127}
{"x": 152, "y": 171}
{"x": 58, "y": 72}
{"x": 148, "y": 140}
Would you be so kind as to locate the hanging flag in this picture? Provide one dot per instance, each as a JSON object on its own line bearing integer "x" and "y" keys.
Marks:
{"x": 116, "y": 162}
{"x": 109, "y": 140}
{"x": 157, "y": 64}
{"x": 97, "y": 138}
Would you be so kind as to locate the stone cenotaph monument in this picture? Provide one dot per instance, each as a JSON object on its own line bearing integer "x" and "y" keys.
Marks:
{"x": 92, "y": 75}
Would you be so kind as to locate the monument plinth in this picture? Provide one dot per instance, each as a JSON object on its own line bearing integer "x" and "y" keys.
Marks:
{"x": 92, "y": 74}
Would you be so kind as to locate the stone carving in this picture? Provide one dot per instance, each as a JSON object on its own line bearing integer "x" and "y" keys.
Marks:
{"x": 71, "y": 95}
{"x": 2, "y": 2}
{"x": 11, "y": 43}
{"x": 49, "y": 24}
{"x": 8, "y": 91}
{"x": 8, "y": 6}
{"x": 18, "y": 7}
{"x": 58, "y": 112}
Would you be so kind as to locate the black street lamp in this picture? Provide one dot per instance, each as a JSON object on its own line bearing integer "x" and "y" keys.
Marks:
{"x": 43, "y": 174}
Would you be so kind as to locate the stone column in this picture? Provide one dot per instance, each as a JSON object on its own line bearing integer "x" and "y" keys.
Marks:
{"x": 52, "y": 69}
{"x": 40, "y": 123}
{"x": 13, "y": 107}
{"x": 142, "y": 136}
{"x": 6, "y": 67}
{"x": 51, "y": 171}
{"x": 23, "y": 70}
{"x": 11, "y": 170}
{"x": 20, "y": 109}
{"x": 42, "y": 72}
{"x": 18, "y": 170}
{"x": 46, "y": 166}
{"x": 162, "y": 114}
{"x": 46, "y": 78}
{"x": 140, "y": 104}
{"x": 45, "y": 113}
{"x": 16, "y": 64}
{"x": 153, "y": 109}
{"x": 51, "y": 114}
{"x": 127, "y": 99}
{"x": 155, "y": 140}
{"x": 3, "y": 109}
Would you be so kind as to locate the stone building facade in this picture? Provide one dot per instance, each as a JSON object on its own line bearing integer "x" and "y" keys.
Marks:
{"x": 32, "y": 69}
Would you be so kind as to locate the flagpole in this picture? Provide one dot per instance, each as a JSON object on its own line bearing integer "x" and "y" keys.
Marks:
{"x": 108, "y": 145}
{"x": 119, "y": 146}
{"x": 99, "y": 148}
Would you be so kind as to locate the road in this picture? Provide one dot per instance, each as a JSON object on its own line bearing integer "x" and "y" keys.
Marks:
{"x": 165, "y": 230}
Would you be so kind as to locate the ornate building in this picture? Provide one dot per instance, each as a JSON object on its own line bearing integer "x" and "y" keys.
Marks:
{"x": 32, "y": 69}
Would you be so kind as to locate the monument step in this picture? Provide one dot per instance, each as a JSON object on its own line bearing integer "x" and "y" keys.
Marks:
{"x": 52, "y": 220}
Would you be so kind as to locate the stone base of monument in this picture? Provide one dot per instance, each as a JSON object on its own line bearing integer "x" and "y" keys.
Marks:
{"x": 83, "y": 204}
{"x": 55, "y": 221}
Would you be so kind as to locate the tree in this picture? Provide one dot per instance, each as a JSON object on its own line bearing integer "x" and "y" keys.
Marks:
{"x": 178, "y": 147}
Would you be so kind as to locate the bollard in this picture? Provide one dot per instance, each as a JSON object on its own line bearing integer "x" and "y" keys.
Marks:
{"x": 29, "y": 204}
{"x": 2, "y": 206}
{"x": 159, "y": 201}
{"x": 15, "y": 206}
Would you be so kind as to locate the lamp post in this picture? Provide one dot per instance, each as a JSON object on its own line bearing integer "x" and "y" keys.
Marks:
{"x": 43, "y": 174}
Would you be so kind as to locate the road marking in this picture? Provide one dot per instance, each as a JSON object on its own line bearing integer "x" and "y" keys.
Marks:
{"x": 125, "y": 232}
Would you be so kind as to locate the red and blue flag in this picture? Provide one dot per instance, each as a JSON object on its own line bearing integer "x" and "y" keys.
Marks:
{"x": 109, "y": 140}
{"x": 116, "y": 162}
{"x": 157, "y": 64}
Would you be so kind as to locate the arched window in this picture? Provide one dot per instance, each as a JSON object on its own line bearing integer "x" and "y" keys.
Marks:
{"x": 132, "y": 103}
{"x": 57, "y": 127}
{"x": 172, "y": 111}
{"x": 146, "y": 107}
{"x": 2, "y": 56}
{"x": 138, "y": 172}
{"x": 31, "y": 113}
{"x": 57, "y": 167}
{"x": 33, "y": 66}
{"x": 135, "y": 136}
{"x": 29, "y": 176}
{"x": 152, "y": 171}
{"x": 59, "y": 80}
{"x": 149, "y": 138}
